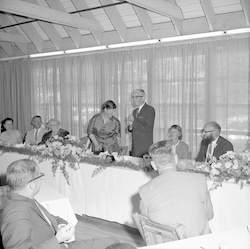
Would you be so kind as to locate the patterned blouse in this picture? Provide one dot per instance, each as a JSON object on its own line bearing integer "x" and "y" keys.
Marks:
{"x": 105, "y": 134}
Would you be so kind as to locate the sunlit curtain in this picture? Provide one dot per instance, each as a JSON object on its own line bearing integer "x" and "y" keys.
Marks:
{"x": 189, "y": 84}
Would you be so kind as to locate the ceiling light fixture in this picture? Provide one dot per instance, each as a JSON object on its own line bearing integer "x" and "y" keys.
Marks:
{"x": 79, "y": 50}
{"x": 238, "y": 31}
{"x": 46, "y": 54}
{"x": 194, "y": 36}
{"x": 129, "y": 44}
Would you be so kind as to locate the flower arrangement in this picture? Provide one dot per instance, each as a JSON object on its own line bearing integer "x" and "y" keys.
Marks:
{"x": 229, "y": 166}
{"x": 69, "y": 152}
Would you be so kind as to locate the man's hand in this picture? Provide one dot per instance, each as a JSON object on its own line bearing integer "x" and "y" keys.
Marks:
{"x": 65, "y": 233}
{"x": 130, "y": 118}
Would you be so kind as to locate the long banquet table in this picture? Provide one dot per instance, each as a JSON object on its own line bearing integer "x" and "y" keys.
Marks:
{"x": 113, "y": 194}
{"x": 238, "y": 238}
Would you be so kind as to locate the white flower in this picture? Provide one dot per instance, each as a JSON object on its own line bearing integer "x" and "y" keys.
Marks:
{"x": 228, "y": 165}
{"x": 218, "y": 165}
{"x": 215, "y": 172}
{"x": 235, "y": 166}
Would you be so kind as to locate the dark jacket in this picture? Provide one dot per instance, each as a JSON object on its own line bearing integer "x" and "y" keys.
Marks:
{"x": 61, "y": 133}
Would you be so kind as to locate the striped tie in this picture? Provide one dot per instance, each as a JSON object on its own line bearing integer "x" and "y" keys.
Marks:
{"x": 36, "y": 135}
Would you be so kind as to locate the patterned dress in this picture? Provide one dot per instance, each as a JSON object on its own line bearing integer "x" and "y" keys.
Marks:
{"x": 105, "y": 134}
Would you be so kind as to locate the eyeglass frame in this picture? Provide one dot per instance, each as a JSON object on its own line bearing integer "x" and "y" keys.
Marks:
{"x": 41, "y": 175}
{"x": 136, "y": 97}
{"x": 202, "y": 131}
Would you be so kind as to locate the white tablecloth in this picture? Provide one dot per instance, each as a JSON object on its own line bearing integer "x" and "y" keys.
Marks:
{"x": 237, "y": 239}
{"x": 56, "y": 203}
{"x": 113, "y": 194}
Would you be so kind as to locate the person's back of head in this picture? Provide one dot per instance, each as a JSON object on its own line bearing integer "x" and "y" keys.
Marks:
{"x": 162, "y": 156}
{"x": 19, "y": 173}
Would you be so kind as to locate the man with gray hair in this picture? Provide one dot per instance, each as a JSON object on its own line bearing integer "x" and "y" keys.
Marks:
{"x": 176, "y": 197}
{"x": 212, "y": 144}
{"x": 27, "y": 224}
{"x": 141, "y": 123}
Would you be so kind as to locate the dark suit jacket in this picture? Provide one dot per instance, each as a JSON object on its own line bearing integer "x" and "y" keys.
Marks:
{"x": 61, "y": 133}
{"x": 24, "y": 226}
{"x": 178, "y": 197}
{"x": 223, "y": 145}
{"x": 142, "y": 130}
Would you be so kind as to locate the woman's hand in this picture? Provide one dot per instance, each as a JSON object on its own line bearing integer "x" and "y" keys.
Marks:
{"x": 98, "y": 147}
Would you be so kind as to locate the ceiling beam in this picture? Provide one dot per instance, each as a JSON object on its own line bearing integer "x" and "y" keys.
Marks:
{"x": 160, "y": 7}
{"x": 209, "y": 13}
{"x": 246, "y": 9}
{"x": 145, "y": 21}
{"x": 4, "y": 20}
{"x": 80, "y": 5}
{"x": 73, "y": 33}
{"x": 6, "y": 46}
{"x": 48, "y": 15}
{"x": 8, "y": 37}
{"x": 177, "y": 25}
{"x": 32, "y": 33}
{"x": 49, "y": 29}
{"x": 116, "y": 19}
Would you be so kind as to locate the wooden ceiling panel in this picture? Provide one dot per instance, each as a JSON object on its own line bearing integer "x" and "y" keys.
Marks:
{"x": 117, "y": 21}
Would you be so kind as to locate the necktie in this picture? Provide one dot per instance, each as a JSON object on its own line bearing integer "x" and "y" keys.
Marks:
{"x": 210, "y": 151}
{"x": 136, "y": 112}
{"x": 36, "y": 135}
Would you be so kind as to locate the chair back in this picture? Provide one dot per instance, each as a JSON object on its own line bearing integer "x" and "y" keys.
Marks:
{"x": 154, "y": 233}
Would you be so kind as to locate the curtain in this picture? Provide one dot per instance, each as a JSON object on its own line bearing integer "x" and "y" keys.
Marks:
{"x": 189, "y": 84}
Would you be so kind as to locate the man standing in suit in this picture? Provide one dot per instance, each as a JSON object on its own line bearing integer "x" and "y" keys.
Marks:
{"x": 212, "y": 144}
{"x": 176, "y": 197}
{"x": 141, "y": 123}
{"x": 27, "y": 224}
{"x": 35, "y": 135}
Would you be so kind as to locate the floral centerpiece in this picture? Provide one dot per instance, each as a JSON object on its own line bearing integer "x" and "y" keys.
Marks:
{"x": 229, "y": 166}
{"x": 69, "y": 152}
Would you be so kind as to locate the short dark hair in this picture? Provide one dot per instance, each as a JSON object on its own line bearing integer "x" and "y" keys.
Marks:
{"x": 109, "y": 104}
{"x": 3, "y": 123}
{"x": 20, "y": 172}
{"x": 178, "y": 128}
{"x": 37, "y": 116}
{"x": 7, "y": 119}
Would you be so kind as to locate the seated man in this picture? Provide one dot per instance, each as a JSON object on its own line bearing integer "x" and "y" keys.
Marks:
{"x": 35, "y": 135}
{"x": 212, "y": 144}
{"x": 176, "y": 197}
{"x": 27, "y": 224}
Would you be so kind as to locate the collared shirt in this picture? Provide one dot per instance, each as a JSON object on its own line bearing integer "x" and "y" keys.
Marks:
{"x": 38, "y": 130}
{"x": 139, "y": 108}
{"x": 174, "y": 147}
{"x": 212, "y": 145}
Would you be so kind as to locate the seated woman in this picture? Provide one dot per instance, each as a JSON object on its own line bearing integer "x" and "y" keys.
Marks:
{"x": 104, "y": 129}
{"x": 180, "y": 148}
{"x": 55, "y": 130}
{"x": 10, "y": 135}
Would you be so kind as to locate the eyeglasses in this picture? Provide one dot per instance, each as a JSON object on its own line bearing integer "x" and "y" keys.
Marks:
{"x": 41, "y": 175}
{"x": 202, "y": 131}
{"x": 136, "y": 97}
